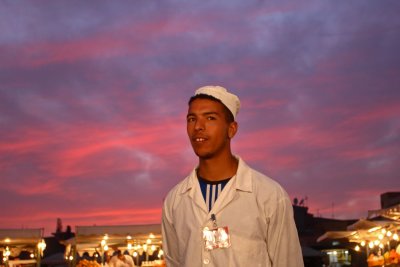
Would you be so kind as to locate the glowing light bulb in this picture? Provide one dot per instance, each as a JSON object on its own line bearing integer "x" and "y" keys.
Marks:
{"x": 396, "y": 237}
{"x": 357, "y": 248}
{"x": 371, "y": 244}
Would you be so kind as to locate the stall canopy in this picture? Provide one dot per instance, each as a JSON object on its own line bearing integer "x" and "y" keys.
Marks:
{"x": 14, "y": 241}
{"x": 366, "y": 230}
{"x": 336, "y": 235}
{"x": 95, "y": 238}
{"x": 20, "y": 237}
{"x": 390, "y": 213}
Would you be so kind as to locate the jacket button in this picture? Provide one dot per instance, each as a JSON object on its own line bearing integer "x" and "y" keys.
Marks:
{"x": 206, "y": 261}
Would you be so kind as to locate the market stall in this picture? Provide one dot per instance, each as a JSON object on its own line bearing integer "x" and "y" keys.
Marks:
{"x": 392, "y": 213}
{"x": 378, "y": 238}
{"x": 93, "y": 245}
{"x": 21, "y": 247}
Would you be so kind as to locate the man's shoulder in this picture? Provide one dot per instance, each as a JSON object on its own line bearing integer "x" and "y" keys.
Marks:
{"x": 264, "y": 180}
{"x": 245, "y": 171}
{"x": 261, "y": 182}
{"x": 181, "y": 187}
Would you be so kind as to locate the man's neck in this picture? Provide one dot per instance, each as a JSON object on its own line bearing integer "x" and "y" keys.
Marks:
{"x": 217, "y": 169}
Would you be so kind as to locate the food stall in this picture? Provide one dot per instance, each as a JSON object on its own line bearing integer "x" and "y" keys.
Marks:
{"x": 93, "y": 245}
{"x": 21, "y": 247}
{"x": 379, "y": 239}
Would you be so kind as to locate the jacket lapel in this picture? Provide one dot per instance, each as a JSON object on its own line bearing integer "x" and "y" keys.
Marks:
{"x": 241, "y": 181}
{"x": 193, "y": 189}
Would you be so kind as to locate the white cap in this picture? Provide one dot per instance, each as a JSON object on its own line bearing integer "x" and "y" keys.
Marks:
{"x": 230, "y": 100}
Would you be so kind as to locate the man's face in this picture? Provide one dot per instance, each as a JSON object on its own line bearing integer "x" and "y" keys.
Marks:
{"x": 207, "y": 128}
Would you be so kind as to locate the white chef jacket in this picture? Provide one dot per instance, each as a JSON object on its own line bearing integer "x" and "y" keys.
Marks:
{"x": 255, "y": 208}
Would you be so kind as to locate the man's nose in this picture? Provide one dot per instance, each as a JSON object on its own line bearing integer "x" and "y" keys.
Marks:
{"x": 200, "y": 125}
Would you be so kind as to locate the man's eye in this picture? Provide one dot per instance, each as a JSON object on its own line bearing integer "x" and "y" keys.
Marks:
{"x": 210, "y": 118}
{"x": 190, "y": 119}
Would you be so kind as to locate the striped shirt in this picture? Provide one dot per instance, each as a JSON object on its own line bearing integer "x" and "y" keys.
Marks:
{"x": 211, "y": 190}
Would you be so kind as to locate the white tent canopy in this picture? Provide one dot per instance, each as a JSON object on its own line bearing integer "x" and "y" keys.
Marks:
{"x": 336, "y": 235}
{"x": 17, "y": 237}
{"x": 363, "y": 230}
{"x": 391, "y": 213}
{"x": 364, "y": 224}
{"x": 118, "y": 230}
{"x": 89, "y": 238}
{"x": 13, "y": 241}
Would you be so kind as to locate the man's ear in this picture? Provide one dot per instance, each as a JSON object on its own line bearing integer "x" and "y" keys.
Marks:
{"x": 232, "y": 130}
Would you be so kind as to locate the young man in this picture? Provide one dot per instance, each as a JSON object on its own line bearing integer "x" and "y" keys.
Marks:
{"x": 224, "y": 213}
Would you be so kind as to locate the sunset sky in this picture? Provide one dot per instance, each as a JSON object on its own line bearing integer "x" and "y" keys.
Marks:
{"x": 93, "y": 99}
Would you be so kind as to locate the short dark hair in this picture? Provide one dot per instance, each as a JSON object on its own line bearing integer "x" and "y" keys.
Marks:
{"x": 228, "y": 114}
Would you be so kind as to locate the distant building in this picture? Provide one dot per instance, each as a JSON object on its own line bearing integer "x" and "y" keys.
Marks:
{"x": 310, "y": 228}
{"x": 390, "y": 199}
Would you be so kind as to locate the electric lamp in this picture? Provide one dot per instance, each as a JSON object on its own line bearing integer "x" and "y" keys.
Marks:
{"x": 396, "y": 237}
{"x": 371, "y": 244}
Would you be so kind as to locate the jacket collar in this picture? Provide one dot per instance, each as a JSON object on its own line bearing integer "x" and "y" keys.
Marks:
{"x": 243, "y": 179}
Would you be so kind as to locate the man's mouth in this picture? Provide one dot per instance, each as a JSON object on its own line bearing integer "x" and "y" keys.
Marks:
{"x": 199, "y": 139}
